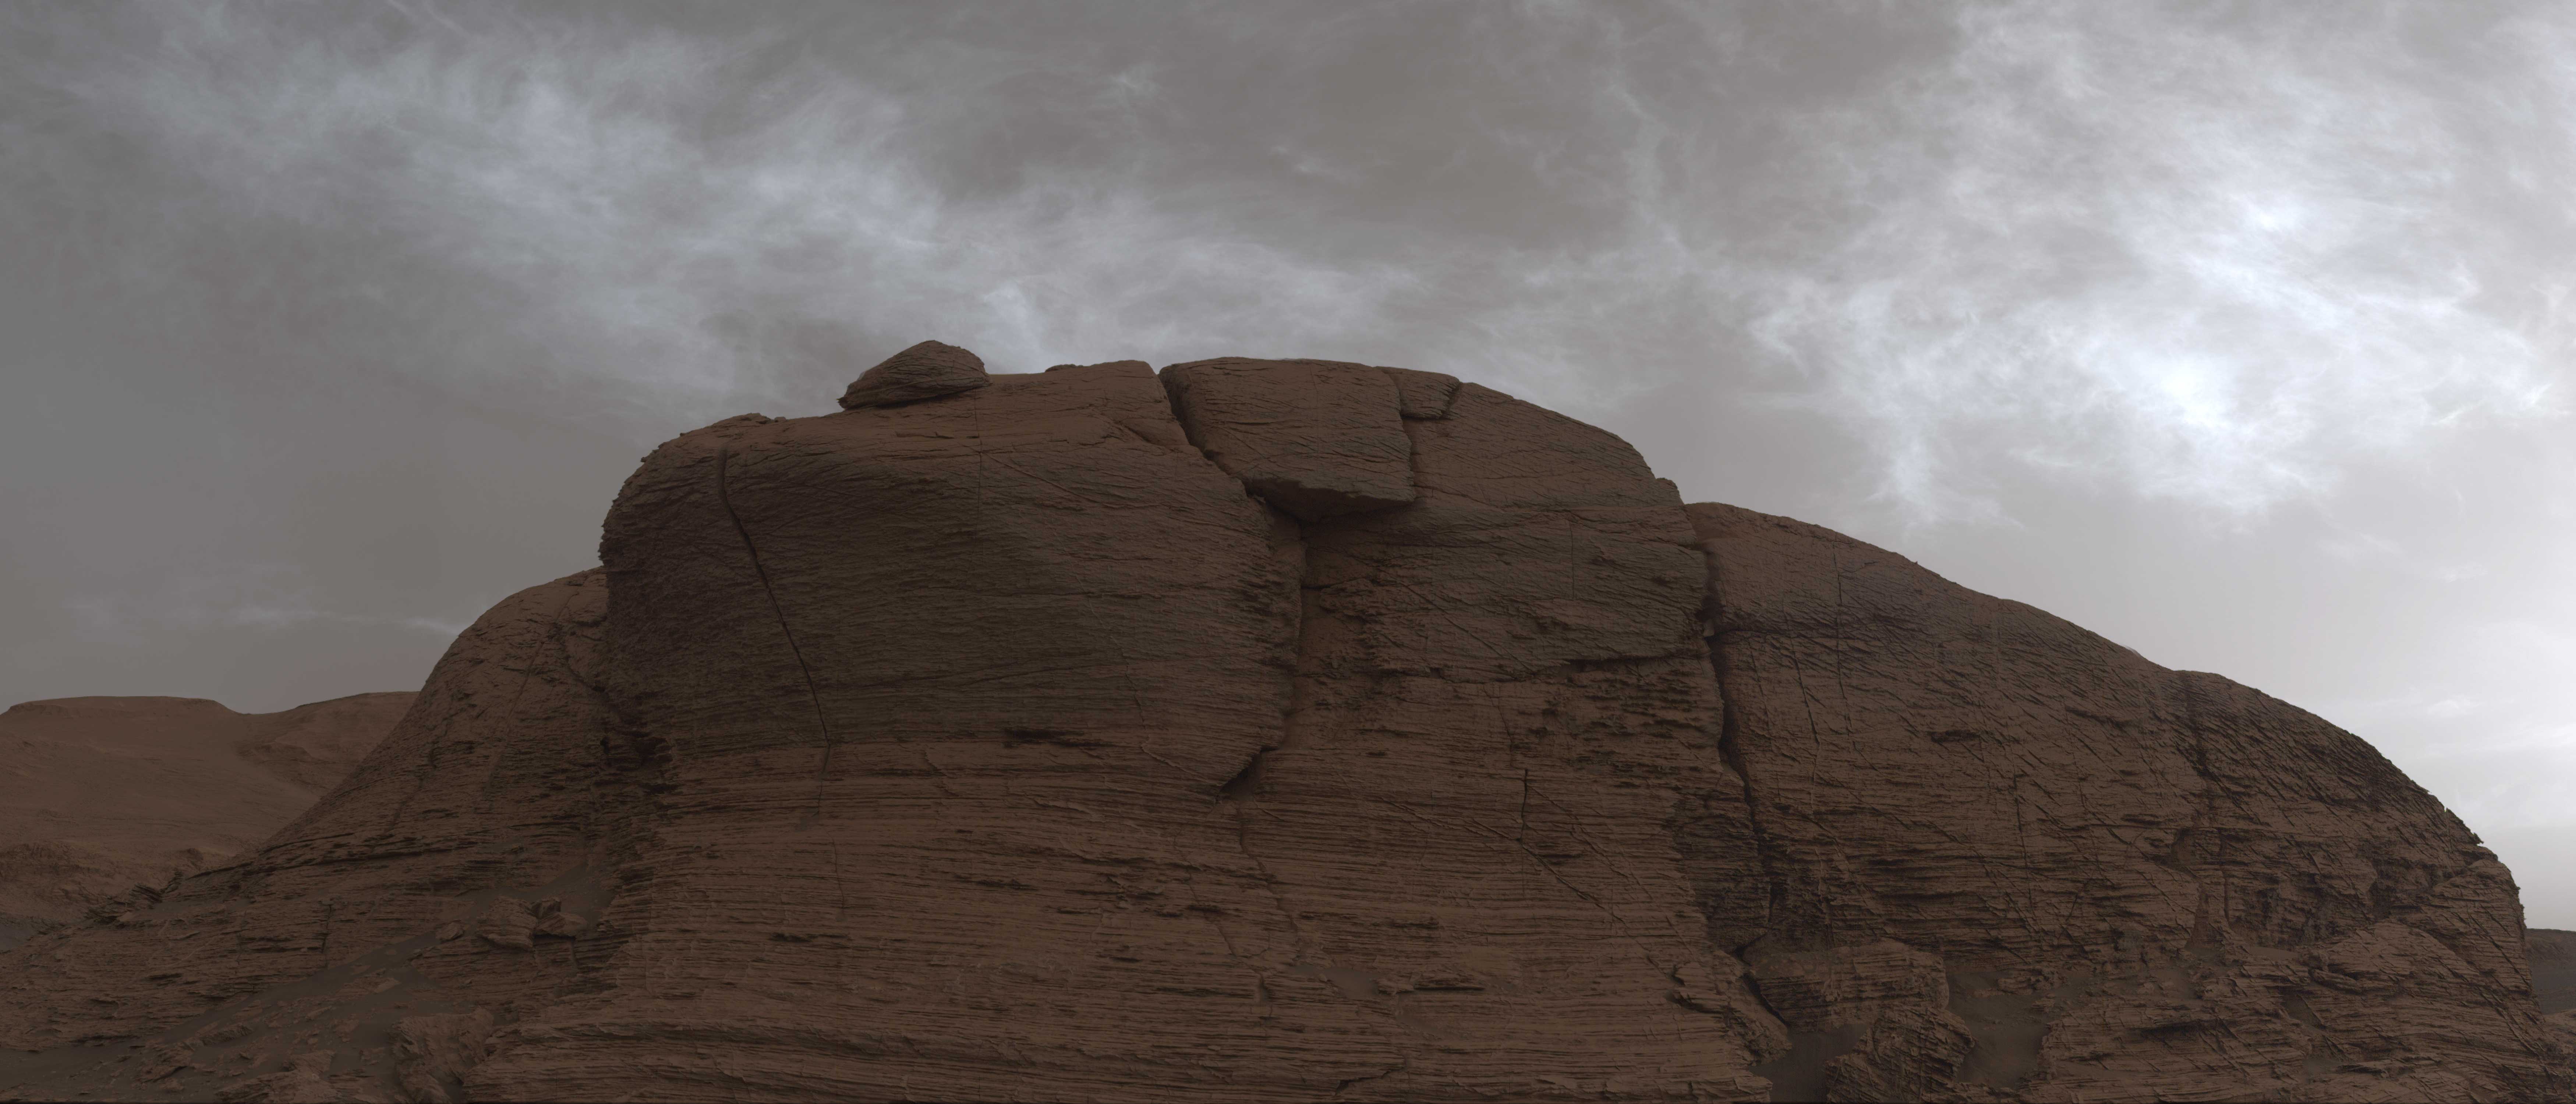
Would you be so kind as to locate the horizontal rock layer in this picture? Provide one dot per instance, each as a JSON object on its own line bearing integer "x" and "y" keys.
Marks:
{"x": 1295, "y": 730}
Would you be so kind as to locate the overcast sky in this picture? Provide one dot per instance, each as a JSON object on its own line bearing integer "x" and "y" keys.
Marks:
{"x": 2238, "y": 333}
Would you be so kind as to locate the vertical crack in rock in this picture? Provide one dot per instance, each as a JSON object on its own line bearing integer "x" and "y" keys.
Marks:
{"x": 1241, "y": 790}
{"x": 724, "y": 498}
{"x": 1730, "y": 751}
{"x": 1244, "y": 787}
{"x": 1423, "y": 396}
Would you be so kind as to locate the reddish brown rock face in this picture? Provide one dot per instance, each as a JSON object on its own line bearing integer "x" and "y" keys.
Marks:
{"x": 1299, "y": 730}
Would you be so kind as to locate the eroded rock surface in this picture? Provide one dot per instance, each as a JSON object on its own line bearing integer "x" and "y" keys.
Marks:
{"x": 1292, "y": 730}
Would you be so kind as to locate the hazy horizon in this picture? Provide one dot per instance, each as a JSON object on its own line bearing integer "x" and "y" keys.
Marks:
{"x": 2234, "y": 333}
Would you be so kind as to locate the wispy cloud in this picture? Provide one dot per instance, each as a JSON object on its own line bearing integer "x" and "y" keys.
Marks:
{"x": 260, "y": 597}
{"x": 2202, "y": 255}
{"x": 675, "y": 227}
{"x": 2205, "y": 255}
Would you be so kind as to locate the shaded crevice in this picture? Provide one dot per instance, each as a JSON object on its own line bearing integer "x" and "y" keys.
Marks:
{"x": 1410, "y": 403}
{"x": 1239, "y": 790}
{"x": 1241, "y": 785}
{"x": 1413, "y": 450}
{"x": 1730, "y": 751}
{"x": 1172, "y": 398}
{"x": 724, "y": 498}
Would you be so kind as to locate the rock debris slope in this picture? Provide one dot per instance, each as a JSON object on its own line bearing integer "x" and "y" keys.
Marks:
{"x": 100, "y": 794}
{"x": 1296, "y": 730}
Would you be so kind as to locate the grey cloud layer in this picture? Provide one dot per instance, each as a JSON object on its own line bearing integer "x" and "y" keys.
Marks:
{"x": 2207, "y": 260}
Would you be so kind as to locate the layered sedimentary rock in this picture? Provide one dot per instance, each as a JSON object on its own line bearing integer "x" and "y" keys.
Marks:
{"x": 1297, "y": 730}
{"x": 2033, "y": 860}
{"x": 101, "y": 794}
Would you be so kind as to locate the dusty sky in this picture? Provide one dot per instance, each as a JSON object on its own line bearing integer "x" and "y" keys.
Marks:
{"x": 2238, "y": 333}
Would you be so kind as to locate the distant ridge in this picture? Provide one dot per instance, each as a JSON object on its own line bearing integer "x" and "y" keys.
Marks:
{"x": 101, "y": 793}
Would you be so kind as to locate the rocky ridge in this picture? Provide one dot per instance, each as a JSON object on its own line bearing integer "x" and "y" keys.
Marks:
{"x": 1296, "y": 730}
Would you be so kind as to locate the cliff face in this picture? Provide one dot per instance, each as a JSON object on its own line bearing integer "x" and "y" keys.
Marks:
{"x": 1296, "y": 730}
{"x": 100, "y": 794}
{"x": 2079, "y": 874}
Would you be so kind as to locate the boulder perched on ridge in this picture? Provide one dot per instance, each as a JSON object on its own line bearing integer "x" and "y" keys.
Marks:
{"x": 925, "y": 371}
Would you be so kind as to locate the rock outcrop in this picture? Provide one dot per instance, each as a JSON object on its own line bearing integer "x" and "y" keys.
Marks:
{"x": 925, "y": 371}
{"x": 2139, "y": 883}
{"x": 1297, "y": 730}
{"x": 103, "y": 795}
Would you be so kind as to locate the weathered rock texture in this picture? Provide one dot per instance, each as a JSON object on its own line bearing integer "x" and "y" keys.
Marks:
{"x": 2099, "y": 878}
{"x": 1295, "y": 730}
{"x": 100, "y": 794}
{"x": 925, "y": 371}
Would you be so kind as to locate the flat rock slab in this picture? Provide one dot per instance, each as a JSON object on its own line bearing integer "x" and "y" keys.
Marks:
{"x": 1317, "y": 438}
{"x": 1424, "y": 396}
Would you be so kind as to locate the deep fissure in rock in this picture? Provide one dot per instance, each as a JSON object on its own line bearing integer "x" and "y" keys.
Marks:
{"x": 724, "y": 498}
{"x": 1244, "y": 780}
{"x": 1730, "y": 752}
